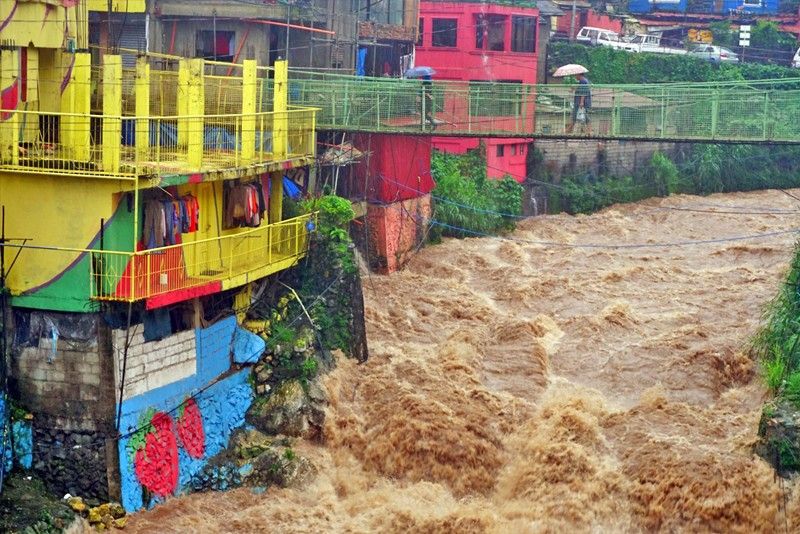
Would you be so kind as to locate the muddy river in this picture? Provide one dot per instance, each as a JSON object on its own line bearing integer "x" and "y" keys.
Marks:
{"x": 550, "y": 381}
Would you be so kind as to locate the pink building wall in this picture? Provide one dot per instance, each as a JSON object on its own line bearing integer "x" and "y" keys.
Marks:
{"x": 587, "y": 17}
{"x": 466, "y": 62}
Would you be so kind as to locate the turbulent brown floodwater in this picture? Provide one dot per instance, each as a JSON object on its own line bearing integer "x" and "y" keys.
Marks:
{"x": 515, "y": 387}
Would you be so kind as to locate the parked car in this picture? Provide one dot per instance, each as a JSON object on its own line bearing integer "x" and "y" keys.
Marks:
{"x": 599, "y": 37}
{"x": 715, "y": 54}
{"x": 652, "y": 44}
{"x": 796, "y": 60}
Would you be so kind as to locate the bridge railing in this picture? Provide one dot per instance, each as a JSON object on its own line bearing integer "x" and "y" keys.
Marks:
{"x": 724, "y": 111}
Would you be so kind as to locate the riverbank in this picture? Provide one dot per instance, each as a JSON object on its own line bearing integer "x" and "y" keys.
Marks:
{"x": 514, "y": 385}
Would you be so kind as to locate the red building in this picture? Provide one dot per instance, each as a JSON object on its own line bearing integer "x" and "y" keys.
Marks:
{"x": 482, "y": 42}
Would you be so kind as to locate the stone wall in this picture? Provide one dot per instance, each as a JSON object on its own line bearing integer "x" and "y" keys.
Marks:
{"x": 61, "y": 371}
{"x": 153, "y": 364}
{"x": 394, "y": 232}
{"x": 176, "y": 422}
{"x": 617, "y": 158}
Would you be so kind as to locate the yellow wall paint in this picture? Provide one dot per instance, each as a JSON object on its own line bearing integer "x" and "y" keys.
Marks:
{"x": 44, "y": 26}
{"x": 52, "y": 211}
{"x": 118, "y": 6}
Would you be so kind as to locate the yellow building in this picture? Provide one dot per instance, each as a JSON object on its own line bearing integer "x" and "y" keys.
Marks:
{"x": 158, "y": 182}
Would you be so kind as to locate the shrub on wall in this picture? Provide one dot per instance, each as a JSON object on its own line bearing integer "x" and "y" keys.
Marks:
{"x": 467, "y": 203}
{"x": 699, "y": 169}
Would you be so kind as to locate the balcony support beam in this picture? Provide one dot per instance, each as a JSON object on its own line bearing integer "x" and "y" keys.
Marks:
{"x": 142, "y": 109}
{"x": 249, "y": 93}
{"x": 280, "y": 133}
{"x": 112, "y": 112}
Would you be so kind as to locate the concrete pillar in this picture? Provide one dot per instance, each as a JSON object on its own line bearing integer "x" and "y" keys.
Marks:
{"x": 112, "y": 112}
{"x": 142, "y": 109}
{"x": 183, "y": 100}
{"x": 275, "y": 197}
{"x": 9, "y": 121}
{"x": 77, "y": 99}
{"x": 280, "y": 107}
{"x": 196, "y": 110}
{"x": 249, "y": 92}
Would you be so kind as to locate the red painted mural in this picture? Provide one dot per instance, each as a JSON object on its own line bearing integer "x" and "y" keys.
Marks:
{"x": 156, "y": 464}
{"x": 190, "y": 430}
{"x": 155, "y": 447}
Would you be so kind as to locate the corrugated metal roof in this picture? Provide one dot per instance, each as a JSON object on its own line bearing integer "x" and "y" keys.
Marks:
{"x": 548, "y": 8}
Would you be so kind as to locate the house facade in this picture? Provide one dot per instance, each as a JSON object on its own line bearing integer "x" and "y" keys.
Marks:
{"x": 141, "y": 198}
{"x": 477, "y": 43}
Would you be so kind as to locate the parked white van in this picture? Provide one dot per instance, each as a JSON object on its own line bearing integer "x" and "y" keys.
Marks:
{"x": 599, "y": 36}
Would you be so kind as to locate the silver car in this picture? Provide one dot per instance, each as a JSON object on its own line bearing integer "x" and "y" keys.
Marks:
{"x": 714, "y": 54}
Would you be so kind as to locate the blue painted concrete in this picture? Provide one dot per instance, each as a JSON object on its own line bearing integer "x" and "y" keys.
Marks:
{"x": 765, "y": 7}
{"x": 16, "y": 440}
{"x": 222, "y": 404}
{"x": 247, "y": 346}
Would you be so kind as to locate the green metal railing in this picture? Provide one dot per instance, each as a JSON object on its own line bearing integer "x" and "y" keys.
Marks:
{"x": 762, "y": 111}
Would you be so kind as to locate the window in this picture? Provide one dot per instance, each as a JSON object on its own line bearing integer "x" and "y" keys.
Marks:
{"x": 490, "y": 32}
{"x": 215, "y": 45}
{"x": 523, "y": 34}
{"x": 420, "y": 31}
{"x": 501, "y": 151}
{"x": 444, "y": 32}
{"x": 513, "y": 150}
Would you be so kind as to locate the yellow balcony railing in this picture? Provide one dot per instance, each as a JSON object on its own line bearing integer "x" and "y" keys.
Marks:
{"x": 127, "y": 146}
{"x": 214, "y": 264}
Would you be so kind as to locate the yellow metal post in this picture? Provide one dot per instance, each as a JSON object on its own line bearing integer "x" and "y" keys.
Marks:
{"x": 142, "y": 109}
{"x": 275, "y": 197}
{"x": 280, "y": 129}
{"x": 249, "y": 91}
{"x": 196, "y": 108}
{"x": 76, "y": 100}
{"x": 9, "y": 127}
{"x": 112, "y": 112}
{"x": 183, "y": 100}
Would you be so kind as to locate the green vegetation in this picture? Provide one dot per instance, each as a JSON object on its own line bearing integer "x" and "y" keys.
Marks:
{"x": 470, "y": 203}
{"x": 609, "y": 66}
{"x": 697, "y": 169}
{"x": 332, "y": 262}
{"x": 777, "y": 344}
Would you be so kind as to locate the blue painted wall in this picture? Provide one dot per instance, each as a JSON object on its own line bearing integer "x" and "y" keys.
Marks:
{"x": 16, "y": 441}
{"x": 767, "y": 7}
{"x": 220, "y": 403}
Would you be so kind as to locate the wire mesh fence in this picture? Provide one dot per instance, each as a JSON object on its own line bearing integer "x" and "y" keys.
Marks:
{"x": 737, "y": 111}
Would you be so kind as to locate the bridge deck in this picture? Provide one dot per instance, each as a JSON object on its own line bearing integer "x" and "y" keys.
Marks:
{"x": 746, "y": 112}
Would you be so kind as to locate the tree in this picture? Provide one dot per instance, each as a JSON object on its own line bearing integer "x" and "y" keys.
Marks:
{"x": 721, "y": 33}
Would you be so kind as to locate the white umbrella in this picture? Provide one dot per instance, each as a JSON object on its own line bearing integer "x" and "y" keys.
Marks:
{"x": 570, "y": 70}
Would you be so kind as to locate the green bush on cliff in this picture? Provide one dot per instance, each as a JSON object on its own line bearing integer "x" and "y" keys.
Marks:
{"x": 467, "y": 202}
{"x": 777, "y": 344}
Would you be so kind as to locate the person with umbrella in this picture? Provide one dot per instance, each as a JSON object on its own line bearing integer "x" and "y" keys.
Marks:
{"x": 426, "y": 102}
{"x": 582, "y": 100}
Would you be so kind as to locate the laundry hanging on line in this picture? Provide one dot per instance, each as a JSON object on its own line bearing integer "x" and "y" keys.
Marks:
{"x": 245, "y": 205}
{"x": 165, "y": 220}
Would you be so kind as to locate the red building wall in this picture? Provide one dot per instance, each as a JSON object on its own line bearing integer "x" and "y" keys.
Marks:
{"x": 398, "y": 167}
{"x": 587, "y": 17}
{"x": 466, "y": 61}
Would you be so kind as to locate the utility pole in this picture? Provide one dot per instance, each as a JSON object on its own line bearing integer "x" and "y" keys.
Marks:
{"x": 572, "y": 23}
